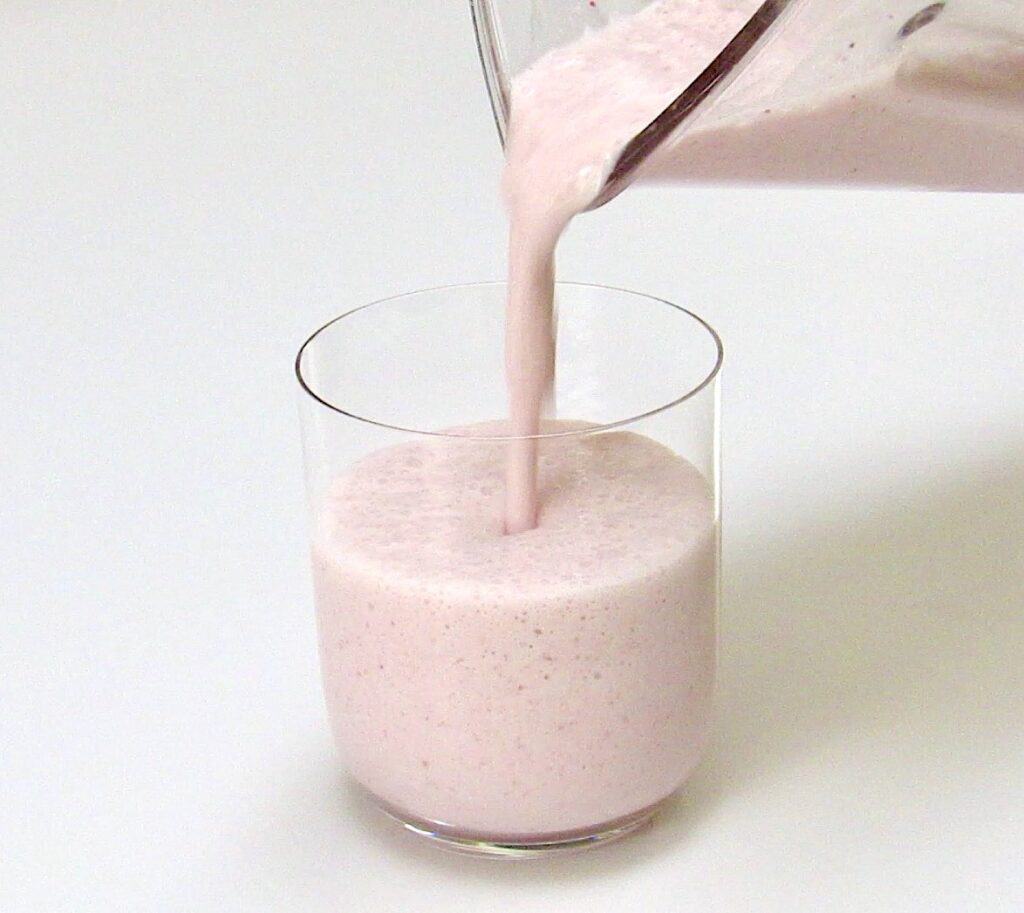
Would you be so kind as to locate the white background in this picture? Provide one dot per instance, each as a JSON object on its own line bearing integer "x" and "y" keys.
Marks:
{"x": 186, "y": 189}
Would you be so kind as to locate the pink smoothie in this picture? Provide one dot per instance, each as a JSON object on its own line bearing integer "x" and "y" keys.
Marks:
{"x": 519, "y": 685}
{"x": 571, "y": 115}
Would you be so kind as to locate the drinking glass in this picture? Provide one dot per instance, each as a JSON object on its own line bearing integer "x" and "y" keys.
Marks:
{"x": 491, "y": 716}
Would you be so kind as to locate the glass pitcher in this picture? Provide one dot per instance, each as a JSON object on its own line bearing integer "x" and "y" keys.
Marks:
{"x": 888, "y": 93}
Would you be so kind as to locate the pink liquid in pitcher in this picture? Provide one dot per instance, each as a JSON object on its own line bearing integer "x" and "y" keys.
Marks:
{"x": 898, "y": 93}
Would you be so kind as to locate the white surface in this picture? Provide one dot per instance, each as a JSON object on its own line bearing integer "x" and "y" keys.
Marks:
{"x": 188, "y": 188}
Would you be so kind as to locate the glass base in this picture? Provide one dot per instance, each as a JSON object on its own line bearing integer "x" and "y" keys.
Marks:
{"x": 521, "y": 847}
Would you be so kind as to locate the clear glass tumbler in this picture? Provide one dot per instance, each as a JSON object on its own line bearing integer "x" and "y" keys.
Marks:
{"x": 515, "y": 694}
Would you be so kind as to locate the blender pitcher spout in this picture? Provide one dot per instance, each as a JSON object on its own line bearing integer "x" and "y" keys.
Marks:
{"x": 508, "y": 41}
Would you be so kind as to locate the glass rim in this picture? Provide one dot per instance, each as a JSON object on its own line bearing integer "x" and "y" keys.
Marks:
{"x": 577, "y": 432}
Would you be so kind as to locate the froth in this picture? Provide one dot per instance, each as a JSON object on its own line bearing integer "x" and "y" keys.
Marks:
{"x": 613, "y": 506}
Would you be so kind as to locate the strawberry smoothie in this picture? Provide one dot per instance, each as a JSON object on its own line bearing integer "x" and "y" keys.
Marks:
{"x": 517, "y": 639}
{"x": 520, "y": 687}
